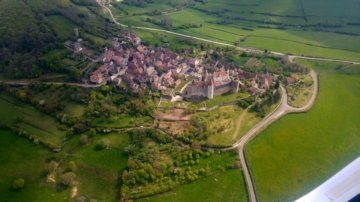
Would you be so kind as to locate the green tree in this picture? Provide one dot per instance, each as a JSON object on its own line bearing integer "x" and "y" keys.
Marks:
{"x": 75, "y": 74}
{"x": 84, "y": 139}
{"x": 18, "y": 184}
{"x": 68, "y": 179}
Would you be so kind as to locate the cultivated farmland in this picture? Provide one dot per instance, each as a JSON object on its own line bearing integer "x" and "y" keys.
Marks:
{"x": 315, "y": 28}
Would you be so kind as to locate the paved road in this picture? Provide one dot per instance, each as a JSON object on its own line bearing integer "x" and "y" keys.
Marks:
{"x": 34, "y": 81}
{"x": 247, "y": 49}
{"x": 280, "y": 111}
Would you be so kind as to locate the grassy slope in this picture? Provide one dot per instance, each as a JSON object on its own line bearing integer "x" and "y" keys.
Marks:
{"x": 20, "y": 158}
{"x": 34, "y": 121}
{"x": 123, "y": 121}
{"x": 227, "y": 186}
{"x": 300, "y": 151}
{"x": 98, "y": 170}
{"x": 292, "y": 40}
{"x": 223, "y": 185}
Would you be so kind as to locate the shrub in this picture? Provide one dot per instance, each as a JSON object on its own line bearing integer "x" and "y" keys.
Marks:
{"x": 18, "y": 184}
{"x": 103, "y": 144}
{"x": 79, "y": 128}
{"x": 68, "y": 179}
{"x": 84, "y": 139}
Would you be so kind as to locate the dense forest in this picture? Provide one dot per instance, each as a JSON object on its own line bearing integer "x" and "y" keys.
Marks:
{"x": 28, "y": 37}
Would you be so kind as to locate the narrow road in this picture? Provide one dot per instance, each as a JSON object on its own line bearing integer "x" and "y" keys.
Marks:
{"x": 34, "y": 81}
{"x": 280, "y": 111}
{"x": 246, "y": 49}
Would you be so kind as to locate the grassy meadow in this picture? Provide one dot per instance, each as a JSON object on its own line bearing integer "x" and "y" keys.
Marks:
{"x": 27, "y": 118}
{"x": 98, "y": 170}
{"x": 315, "y": 28}
{"x": 227, "y": 124}
{"x": 221, "y": 184}
{"x": 122, "y": 121}
{"x": 300, "y": 151}
{"x": 226, "y": 186}
{"x": 19, "y": 158}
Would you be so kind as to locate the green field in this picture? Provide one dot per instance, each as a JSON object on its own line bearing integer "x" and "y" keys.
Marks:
{"x": 31, "y": 120}
{"x": 315, "y": 28}
{"x": 221, "y": 99}
{"x": 227, "y": 186}
{"x": 98, "y": 169}
{"x": 227, "y": 124}
{"x": 300, "y": 151}
{"x": 300, "y": 92}
{"x": 21, "y": 159}
{"x": 219, "y": 184}
{"x": 122, "y": 121}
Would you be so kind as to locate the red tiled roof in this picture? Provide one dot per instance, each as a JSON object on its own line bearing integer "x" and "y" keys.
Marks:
{"x": 220, "y": 73}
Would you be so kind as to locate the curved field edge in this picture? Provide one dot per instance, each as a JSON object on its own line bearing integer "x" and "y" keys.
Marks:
{"x": 300, "y": 151}
{"x": 329, "y": 44}
{"x": 224, "y": 186}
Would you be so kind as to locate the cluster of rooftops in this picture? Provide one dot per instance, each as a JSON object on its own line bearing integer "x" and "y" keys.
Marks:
{"x": 138, "y": 66}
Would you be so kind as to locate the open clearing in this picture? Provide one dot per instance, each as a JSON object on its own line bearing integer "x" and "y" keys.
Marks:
{"x": 300, "y": 151}
{"x": 222, "y": 124}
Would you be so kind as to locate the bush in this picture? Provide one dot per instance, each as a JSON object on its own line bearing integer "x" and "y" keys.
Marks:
{"x": 68, "y": 179}
{"x": 84, "y": 139}
{"x": 244, "y": 104}
{"x": 103, "y": 144}
{"x": 18, "y": 184}
{"x": 80, "y": 128}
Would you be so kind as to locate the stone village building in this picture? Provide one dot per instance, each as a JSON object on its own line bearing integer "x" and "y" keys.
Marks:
{"x": 211, "y": 85}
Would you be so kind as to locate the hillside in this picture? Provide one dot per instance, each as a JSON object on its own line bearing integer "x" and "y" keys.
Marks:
{"x": 32, "y": 34}
{"x": 306, "y": 27}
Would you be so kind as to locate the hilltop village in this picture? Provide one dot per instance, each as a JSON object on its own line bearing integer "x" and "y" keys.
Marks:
{"x": 130, "y": 63}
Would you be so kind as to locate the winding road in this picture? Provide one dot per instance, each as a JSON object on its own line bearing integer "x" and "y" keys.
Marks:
{"x": 35, "y": 81}
{"x": 282, "y": 109}
{"x": 104, "y": 3}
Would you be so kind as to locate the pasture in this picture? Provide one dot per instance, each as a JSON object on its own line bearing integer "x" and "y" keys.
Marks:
{"x": 315, "y": 28}
{"x": 227, "y": 124}
{"x": 122, "y": 121}
{"x": 19, "y": 158}
{"x": 300, "y": 151}
{"x": 221, "y": 184}
{"x": 221, "y": 99}
{"x": 97, "y": 170}
{"x": 27, "y": 118}
{"x": 225, "y": 186}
